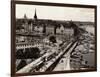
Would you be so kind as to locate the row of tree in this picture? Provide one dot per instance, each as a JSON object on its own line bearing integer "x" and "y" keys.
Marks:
{"x": 28, "y": 54}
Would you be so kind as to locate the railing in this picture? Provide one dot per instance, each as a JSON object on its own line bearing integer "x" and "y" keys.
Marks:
{"x": 67, "y": 50}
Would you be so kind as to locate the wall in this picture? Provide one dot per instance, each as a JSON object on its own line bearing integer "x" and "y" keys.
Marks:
{"x": 5, "y": 44}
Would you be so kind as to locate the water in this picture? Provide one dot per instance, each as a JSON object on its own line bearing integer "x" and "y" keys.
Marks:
{"x": 88, "y": 55}
{"x": 90, "y": 58}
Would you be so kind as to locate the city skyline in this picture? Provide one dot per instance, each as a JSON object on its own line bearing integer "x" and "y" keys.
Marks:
{"x": 55, "y": 13}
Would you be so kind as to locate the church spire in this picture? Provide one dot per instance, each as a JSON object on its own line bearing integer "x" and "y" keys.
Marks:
{"x": 25, "y": 17}
{"x": 35, "y": 15}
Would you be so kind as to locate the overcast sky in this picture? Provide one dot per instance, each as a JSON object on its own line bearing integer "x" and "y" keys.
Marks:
{"x": 55, "y": 13}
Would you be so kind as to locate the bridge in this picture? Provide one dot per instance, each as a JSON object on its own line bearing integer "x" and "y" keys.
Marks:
{"x": 49, "y": 61}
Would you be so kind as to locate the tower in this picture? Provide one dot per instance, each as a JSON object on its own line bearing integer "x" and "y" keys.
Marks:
{"x": 25, "y": 23}
{"x": 25, "y": 17}
{"x": 35, "y": 20}
{"x": 35, "y": 15}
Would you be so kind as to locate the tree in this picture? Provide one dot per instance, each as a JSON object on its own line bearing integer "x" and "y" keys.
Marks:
{"x": 52, "y": 39}
{"x": 75, "y": 27}
{"x": 19, "y": 54}
{"x": 55, "y": 27}
{"x": 32, "y": 53}
{"x": 35, "y": 52}
{"x": 44, "y": 28}
{"x": 21, "y": 64}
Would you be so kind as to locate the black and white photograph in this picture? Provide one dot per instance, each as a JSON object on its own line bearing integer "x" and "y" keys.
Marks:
{"x": 54, "y": 38}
